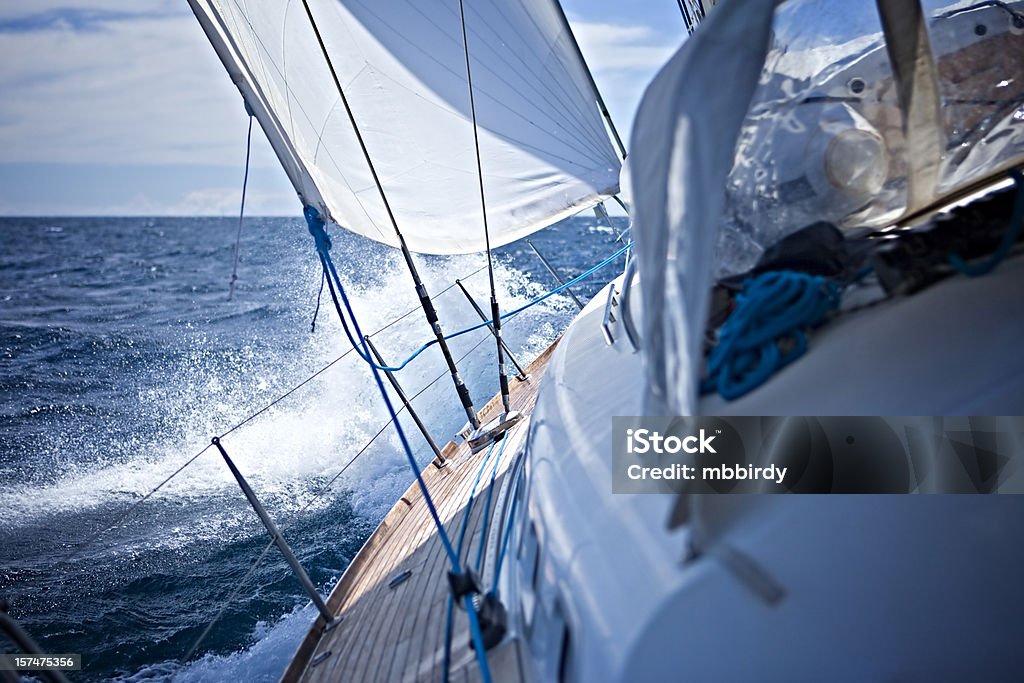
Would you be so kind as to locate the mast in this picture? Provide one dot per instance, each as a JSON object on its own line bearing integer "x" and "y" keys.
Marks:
{"x": 686, "y": 16}
{"x": 421, "y": 290}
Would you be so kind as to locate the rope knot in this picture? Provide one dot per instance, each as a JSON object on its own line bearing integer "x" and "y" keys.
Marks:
{"x": 768, "y": 329}
{"x": 318, "y": 229}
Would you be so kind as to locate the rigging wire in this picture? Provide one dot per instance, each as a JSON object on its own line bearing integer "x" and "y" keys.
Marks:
{"x": 457, "y": 575}
{"x": 504, "y": 316}
{"x": 241, "y": 210}
{"x": 495, "y": 310}
{"x": 84, "y": 545}
{"x": 319, "y": 494}
{"x": 428, "y": 307}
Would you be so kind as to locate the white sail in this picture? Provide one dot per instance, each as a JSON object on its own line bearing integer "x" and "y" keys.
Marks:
{"x": 545, "y": 151}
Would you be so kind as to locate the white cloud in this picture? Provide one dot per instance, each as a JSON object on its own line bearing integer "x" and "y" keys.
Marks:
{"x": 142, "y": 90}
{"x": 624, "y": 58}
{"x": 104, "y": 82}
{"x": 223, "y": 201}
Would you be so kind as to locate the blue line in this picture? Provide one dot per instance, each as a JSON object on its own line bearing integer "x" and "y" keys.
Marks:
{"x": 323, "y": 245}
{"x": 478, "y": 639}
{"x": 446, "y": 662}
{"x": 487, "y": 504}
{"x": 508, "y": 533}
{"x": 395, "y": 368}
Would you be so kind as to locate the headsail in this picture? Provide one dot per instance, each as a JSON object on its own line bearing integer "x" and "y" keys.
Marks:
{"x": 546, "y": 153}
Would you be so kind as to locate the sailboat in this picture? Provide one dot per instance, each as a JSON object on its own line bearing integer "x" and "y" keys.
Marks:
{"x": 852, "y": 162}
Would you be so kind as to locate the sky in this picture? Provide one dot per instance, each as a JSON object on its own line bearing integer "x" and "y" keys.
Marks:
{"x": 112, "y": 107}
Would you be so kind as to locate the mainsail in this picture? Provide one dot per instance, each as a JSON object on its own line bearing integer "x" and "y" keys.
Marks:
{"x": 545, "y": 151}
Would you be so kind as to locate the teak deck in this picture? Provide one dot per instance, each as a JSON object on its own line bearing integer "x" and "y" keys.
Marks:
{"x": 396, "y": 633}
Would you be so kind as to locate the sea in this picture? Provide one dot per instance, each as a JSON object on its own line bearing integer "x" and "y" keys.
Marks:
{"x": 122, "y": 354}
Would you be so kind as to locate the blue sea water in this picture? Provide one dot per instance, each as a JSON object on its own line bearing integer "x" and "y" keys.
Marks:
{"x": 122, "y": 356}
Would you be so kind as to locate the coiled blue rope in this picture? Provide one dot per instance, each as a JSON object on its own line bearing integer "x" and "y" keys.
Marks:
{"x": 773, "y": 310}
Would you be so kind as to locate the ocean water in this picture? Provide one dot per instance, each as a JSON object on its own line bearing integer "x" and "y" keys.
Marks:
{"x": 121, "y": 357}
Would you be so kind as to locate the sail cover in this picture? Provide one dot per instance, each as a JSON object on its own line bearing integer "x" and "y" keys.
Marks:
{"x": 544, "y": 148}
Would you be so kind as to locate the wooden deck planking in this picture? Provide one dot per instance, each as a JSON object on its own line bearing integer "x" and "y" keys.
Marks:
{"x": 398, "y": 634}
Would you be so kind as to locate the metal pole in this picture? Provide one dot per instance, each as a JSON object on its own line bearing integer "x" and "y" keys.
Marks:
{"x": 439, "y": 460}
{"x": 686, "y": 16}
{"x": 276, "y": 536}
{"x": 522, "y": 376}
{"x": 554, "y": 274}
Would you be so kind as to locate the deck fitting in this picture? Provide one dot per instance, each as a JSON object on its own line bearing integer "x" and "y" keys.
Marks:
{"x": 321, "y": 658}
{"x": 493, "y": 431}
{"x": 399, "y": 578}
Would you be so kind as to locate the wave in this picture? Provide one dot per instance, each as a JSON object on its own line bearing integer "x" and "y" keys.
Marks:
{"x": 217, "y": 379}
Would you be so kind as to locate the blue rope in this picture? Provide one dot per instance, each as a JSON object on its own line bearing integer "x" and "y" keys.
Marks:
{"x": 446, "y": 665}
{"x": 318, "y": 230}
{"x": 506, "y": 534}
{"x": 472, "y": 495}
{"x": 478, "y": 640}
{"x": 1009, "y": 239}
{"x": 487, "y": 503}
{"x": 504, "y": 316}
{"x": 323, "y": 247}
{"x": 771, "y": 307}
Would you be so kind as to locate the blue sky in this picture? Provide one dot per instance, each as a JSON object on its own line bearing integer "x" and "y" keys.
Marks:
{"x": 118, "y": 108}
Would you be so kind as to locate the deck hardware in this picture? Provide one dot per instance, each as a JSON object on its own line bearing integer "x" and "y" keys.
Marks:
{"x": 628, "y": 324}
{"x": 276, "y": 536}
{"x": 439, "y": 459}
{"x": 400, "y": 578}
{"x": 493, "y": 620}
{"x": 609, "y": 314}
{"x": 463, "y": 584}
{"x": 493, "y": 431}
{"x": 551, "y": 269}
{"x": 522, "y": 376}
{"x": 320, "y": 658}
{"x": 490, "y": 612}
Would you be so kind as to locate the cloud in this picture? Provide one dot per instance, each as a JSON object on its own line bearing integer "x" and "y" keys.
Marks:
{"x": 29, "y": 14}
{"x": 93, "y": 88}
{"x": 224, "y": 201}
{"x": 93, "y": 84}
{"x": 624, "y": 58}
{"x": 73, "y": 19}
